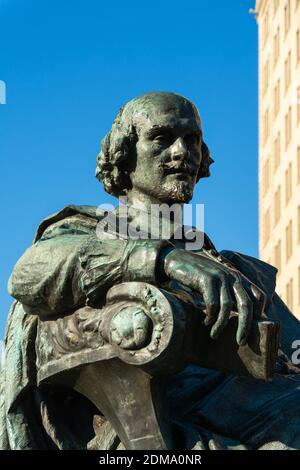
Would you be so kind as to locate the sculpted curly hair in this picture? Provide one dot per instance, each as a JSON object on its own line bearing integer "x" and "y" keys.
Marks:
{"x": 112, "y": 162}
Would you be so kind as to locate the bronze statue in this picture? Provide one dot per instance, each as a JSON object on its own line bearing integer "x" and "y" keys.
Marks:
{"x": 122, "y": 342}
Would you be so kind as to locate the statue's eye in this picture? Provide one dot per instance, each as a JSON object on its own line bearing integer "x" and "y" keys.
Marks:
{"x": 163, "y": 138}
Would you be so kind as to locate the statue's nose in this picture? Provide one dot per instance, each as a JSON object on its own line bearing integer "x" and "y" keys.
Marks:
{"x": 179, "y": 149}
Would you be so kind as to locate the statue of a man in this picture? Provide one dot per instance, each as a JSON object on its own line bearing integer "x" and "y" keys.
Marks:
{"x": 154, "y": 154}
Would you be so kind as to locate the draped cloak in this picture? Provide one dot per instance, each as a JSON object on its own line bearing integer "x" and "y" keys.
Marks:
{"x": 67, "y": 267}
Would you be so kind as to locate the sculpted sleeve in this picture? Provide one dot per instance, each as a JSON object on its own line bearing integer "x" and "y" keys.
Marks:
{"x": 69, "y": 267}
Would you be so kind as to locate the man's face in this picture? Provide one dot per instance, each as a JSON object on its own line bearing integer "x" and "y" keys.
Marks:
{"x": 168, "y": 151}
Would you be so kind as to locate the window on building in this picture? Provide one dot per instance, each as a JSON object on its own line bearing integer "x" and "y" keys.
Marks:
{"x": 277, "y": 256}
{"x": 298, "y": 105}
{"x": 288, "y": 71}
{"x": 265, "y": 27}
{"x": 287, "y": 16}
{"x": 298, "y": 164}
{"x": 299, "y": 285}
{"x": 289, "y": 294}
{"x": 288, "y": 183}
{"x": 276, "y": 98}
{"x": 266, "y": 176}
{"x": 276, "y": 152}
{"x": 275, "y": 5}
{"x": 277, "y": 205}
{"x": 266, "y": 125}
{"x": 276, "y": 46}
{"x": 298, "y": 223}
{"x": 288, "y": 127}
{"x": 288, "y": 241}
{"x": 266, "y": 76}
{"x": 267, "y": 226}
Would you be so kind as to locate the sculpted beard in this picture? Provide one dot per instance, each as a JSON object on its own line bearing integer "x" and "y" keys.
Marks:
{"x": 179, "y": 191}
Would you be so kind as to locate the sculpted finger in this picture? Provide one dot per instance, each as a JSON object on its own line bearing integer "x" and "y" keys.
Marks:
{"x": 211, "y": 297}
{"x": 245, "y": 311}
{"x": 225, "y": 310}
{"x": 259, "y": 301}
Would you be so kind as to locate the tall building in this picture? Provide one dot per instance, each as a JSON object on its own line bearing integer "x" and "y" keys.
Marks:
{"x": 279, "y": 143}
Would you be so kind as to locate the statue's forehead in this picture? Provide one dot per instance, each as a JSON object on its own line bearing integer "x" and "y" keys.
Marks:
{"x": 166, "y": 115}
{"x": 167, "y": 121}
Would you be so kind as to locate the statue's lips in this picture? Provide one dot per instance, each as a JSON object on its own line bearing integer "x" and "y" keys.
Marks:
{"x": 178, "y": 172}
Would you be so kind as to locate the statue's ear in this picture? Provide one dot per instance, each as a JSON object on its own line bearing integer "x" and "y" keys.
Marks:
{"x": 205, "y": 162}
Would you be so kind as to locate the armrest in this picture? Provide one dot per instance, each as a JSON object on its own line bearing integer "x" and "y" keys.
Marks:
{"x": 178, "y": 337}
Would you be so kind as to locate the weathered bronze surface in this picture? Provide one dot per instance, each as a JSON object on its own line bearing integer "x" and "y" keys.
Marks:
{"x": 138, "y": 342}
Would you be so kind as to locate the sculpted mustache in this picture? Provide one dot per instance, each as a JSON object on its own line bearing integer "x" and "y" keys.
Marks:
{"x": 176, "y": 168}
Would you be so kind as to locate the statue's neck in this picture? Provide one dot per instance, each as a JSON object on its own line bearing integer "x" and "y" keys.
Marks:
{"x": 142, "y": 202}
{"x": 145, "y": 201}
{"x": 143, "y": 208}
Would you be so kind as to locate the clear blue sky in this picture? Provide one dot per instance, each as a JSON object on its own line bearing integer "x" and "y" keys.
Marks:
{"x": 70, "y": 65}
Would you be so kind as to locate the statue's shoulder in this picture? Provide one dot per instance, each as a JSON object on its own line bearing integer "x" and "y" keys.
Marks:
{"x": 83, "y": 214}
{"x": 258, "y": 271}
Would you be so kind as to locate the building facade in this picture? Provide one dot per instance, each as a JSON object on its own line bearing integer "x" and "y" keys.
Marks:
{"x": 279, "y": 143}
